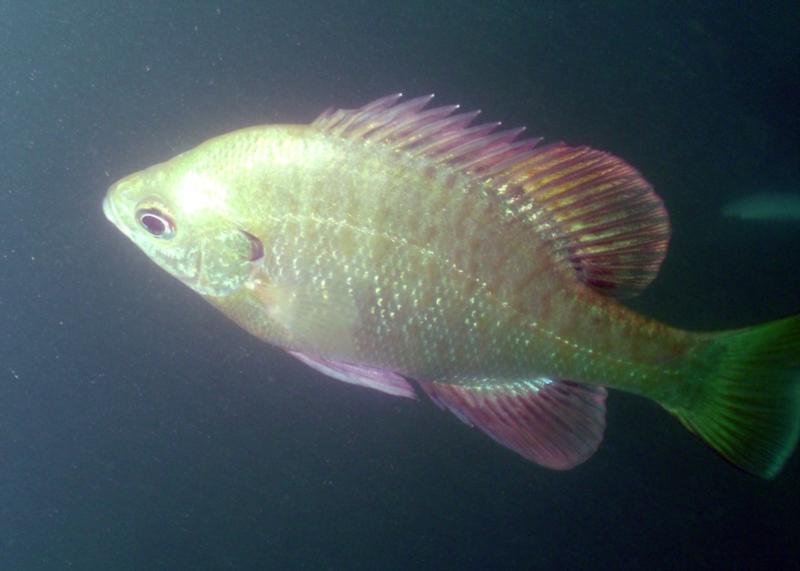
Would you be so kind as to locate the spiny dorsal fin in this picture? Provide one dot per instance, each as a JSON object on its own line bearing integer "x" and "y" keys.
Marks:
{"x": 597, "y": 211}
{"x": 436, "y": 133}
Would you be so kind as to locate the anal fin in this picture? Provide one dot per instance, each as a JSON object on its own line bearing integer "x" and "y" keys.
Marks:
{"x": 557, "y": 424}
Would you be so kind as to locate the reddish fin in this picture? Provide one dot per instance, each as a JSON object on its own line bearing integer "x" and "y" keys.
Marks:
{"x": 557, "y": 424}
{"x": 378, "y": 379}
{"x": 435, "y": 133}
{"x": 599, "y": 214}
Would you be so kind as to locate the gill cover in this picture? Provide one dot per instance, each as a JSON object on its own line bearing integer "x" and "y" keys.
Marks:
{"x": 181, "y": 219}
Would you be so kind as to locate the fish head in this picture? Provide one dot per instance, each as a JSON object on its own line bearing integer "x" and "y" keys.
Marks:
{"x": 179, "y": 214}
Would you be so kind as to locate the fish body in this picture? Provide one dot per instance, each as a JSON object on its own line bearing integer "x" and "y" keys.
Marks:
{"x": 393, "y": 243}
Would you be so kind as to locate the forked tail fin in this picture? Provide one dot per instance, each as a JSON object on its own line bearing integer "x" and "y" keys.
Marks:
{"x": 750, "y": 412}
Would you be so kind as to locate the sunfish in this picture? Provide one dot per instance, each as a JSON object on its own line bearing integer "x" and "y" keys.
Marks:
{"x": 396, "y": 245}
{"x": 765, "y": 206}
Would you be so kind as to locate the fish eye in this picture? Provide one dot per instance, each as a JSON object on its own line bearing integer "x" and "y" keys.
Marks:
{"x": 156, "y": 222}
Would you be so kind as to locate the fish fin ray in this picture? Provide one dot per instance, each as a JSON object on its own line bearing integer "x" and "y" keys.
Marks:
{"x": 750, "y": 409}
{"x": 557, "y": 424}
{"x": 601, "y": 217}
{"x": 436, "y": 133}
{"x": 378, "y": 379}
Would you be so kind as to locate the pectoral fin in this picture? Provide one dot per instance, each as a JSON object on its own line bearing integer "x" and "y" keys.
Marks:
{"x": 321, "y": 317}
{"x": 557, "y": 424}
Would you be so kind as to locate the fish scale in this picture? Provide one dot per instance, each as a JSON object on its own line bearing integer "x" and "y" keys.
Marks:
{"x": 511, "y": 291}
{"x": 393, "y": 244}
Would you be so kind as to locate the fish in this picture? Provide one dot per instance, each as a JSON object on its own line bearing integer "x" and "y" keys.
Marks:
{"x": 412, "y": 250}
{"x": 764, "y": 206}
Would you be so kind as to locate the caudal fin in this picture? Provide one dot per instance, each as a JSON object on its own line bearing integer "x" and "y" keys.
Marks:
{"x": 750, "y": 413}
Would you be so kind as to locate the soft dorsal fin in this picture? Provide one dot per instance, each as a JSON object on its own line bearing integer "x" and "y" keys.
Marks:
{"x": 601, "y": 216}
{"x": 598, "y": 213}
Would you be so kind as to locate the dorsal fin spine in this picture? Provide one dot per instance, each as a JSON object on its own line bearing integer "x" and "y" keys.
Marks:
{"x": 477, "y": 147}
{"x": 407, "y": 110}
{"x": 497, "y": 159}
{"x": 451, "y": 124}
{"x": 596, "y": 212}
{"x": 409, "y": 125}
{"x": 382, "y": 103}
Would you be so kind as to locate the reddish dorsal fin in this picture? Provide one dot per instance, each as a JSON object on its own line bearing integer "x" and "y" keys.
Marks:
{"x": 557, "y": 424}
{"x": 599, "y": 214}
{"x": 436, "y": 133}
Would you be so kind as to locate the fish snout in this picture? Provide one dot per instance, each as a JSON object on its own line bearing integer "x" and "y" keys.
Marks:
{"x": 108, "y": 209}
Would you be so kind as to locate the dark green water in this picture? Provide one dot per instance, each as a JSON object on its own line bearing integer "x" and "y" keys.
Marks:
{"x": 141, "y": 430}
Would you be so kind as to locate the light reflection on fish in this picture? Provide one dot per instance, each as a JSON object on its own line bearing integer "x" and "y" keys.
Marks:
{"x": 395, "y": 245}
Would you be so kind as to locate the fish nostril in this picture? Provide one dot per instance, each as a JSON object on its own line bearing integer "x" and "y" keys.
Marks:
{"x": 256, "y": 247}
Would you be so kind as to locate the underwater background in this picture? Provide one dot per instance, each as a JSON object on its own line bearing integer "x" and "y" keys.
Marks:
{"x": 139, "y": 429}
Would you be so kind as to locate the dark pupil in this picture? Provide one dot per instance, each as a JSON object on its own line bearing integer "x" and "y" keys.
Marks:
{"x": 154, "y": 223}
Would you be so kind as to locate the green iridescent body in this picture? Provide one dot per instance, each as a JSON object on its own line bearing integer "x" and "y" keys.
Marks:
{"x": 403, "y": 242}
{"x": 446, "y": 283}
